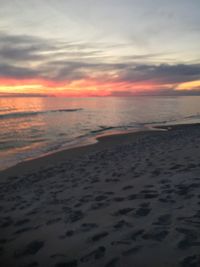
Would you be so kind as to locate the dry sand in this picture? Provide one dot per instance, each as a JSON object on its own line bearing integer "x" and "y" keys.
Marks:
{"x": 130, "y": 201}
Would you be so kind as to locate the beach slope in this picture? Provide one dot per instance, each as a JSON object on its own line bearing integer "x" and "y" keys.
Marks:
{"x": 129, "y": 200}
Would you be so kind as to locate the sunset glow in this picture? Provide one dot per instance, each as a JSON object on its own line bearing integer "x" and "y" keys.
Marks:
{"x": 113, "y": 49}
{"x": 194, "y": 85}
{"x": 99, "y": 133}
{"x": 86, "y": 87}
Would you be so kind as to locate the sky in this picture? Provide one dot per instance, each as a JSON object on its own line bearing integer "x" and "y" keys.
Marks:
{"x": 99, "y": 47}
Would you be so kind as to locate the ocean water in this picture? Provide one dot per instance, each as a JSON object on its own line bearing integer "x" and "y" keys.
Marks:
{"x": 32, "y": 127}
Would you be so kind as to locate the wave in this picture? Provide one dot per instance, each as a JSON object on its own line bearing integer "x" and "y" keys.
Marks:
{"x": 134, "y": 126}
{"x": 157, "y": 122}
{"x": 102, "y": 129}
{"x": 117, "y": 128}
{"x": 195, "y": 116}
{"x": 6, "y": 109}
{"x": 34, "y": 113}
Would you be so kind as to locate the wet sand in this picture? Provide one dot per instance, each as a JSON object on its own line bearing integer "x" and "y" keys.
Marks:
{"x": 129, "y": 200}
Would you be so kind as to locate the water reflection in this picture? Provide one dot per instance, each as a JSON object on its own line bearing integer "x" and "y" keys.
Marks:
{"x": 22, "y": 137}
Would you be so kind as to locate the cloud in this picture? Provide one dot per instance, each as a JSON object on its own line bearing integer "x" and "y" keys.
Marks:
{"x": 23, "y": 57}
{"x": 163, "y": 73}
{"x": 9, "y": 71}
{"x": 158, "y": 92}
{"x": 24, "y": 95}
{"x": 122, "y": 93}
{"x": 25, "y": 49}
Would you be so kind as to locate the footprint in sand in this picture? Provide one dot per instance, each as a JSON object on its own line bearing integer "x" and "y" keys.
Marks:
{"x": 112, "y": 263}
{"x": 95, "y": 254}
{"x": 22, "y": 222}
{"x": 127, "y": 187}
{"x": 163, "y": 220}
{"x": 189, "y": 240}
{"x": 131, "y": 251}
{"x": 99, "y": 236}
{"x": 123, "y": 211}
{"x": 142, "y": 212}
{"x": 31, "y": 249}
{"x": 156, "y": 235}
{"x": 191, "y": 261}
{"x": 149, "y": 194}
{"x": 121, "y": 224}
{"x": 136, "y": 234}
{"x": 118, "y": 199}
{"x": 76, "y": 216}
{"x": 86, "y": 227}
{"x": 32, "y": 264}
{"x": 73, "y": 263}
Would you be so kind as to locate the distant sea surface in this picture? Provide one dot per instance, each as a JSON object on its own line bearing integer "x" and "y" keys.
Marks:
{"x": 33, "y": 127}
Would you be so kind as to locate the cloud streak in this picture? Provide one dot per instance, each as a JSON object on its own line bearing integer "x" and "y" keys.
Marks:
{"x": 159, "y": 92}
{"x": 28, "y": 57}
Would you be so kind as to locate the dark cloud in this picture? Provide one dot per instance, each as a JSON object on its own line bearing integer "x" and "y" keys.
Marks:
{"x": 171, "y": 92}
{"x": 32, "y": 57}
{"x": 21, "y": 47}
{"x": 163, "y": 73}
{"x": 9, "y": 71}
{"x": 24, "y": 95}
{"x": 158, "y": 92}
{"x": 24, "y": 48}
{"x": 27, "y": 56}
{"x": 122, "y": 93}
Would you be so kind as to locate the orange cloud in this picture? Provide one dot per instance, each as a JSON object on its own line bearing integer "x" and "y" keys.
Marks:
{"x": 85, "y": 87}
{"x": 189, "y": 85}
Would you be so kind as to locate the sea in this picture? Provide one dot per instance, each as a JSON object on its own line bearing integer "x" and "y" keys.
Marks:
{"x": 31, "y": 127}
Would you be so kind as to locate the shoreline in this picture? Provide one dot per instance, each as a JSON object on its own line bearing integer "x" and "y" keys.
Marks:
{"x": 103, "y": 141}
{"x": 88, "y": 141}
{"x": 128, "y": 200}
{"x": 100, "y": 142}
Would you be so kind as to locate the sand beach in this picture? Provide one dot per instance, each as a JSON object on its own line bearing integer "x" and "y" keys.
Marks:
{"x": 128, "y": 200}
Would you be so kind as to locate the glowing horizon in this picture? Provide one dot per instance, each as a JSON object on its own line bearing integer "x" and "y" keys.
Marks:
{"x": 108, "y": 51}
{"x": 90, "y": 87}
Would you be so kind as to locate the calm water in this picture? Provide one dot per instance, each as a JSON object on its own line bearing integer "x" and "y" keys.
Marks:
{"x": 31, "y": 127}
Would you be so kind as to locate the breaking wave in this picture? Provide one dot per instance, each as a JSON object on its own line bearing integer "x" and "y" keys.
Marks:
{"x": 34, "y": 113}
